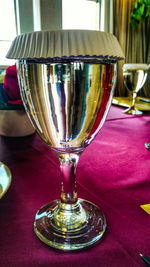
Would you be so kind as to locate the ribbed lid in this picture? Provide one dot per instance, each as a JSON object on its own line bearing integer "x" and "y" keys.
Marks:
{"x": 65, "y": 43}
{"x": 135, "y": 66}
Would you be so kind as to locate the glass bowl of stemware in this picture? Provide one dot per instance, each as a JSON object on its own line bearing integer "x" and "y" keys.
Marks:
{"x": 135, "y": 76}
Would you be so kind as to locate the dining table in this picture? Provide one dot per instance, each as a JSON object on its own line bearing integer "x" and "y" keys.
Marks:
{"x": 113, "y": 173}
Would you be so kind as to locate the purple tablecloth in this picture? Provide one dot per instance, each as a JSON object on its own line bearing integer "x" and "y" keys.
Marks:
{"x": 113, "y": 173}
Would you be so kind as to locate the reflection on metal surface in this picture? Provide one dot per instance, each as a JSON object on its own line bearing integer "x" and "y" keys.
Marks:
{"x": 67, "y": 103}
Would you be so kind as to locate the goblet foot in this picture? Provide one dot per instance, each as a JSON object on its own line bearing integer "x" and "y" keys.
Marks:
{"x": 133, "y": 111}
{"x": 70, "y": 226}
{"x": 147, "y": 145}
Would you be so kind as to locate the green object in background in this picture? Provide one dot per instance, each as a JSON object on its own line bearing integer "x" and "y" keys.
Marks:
{"x": 140, "y": 12}
{"x": 2, "y": 74}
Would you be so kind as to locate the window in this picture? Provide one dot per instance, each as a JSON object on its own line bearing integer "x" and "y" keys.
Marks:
{"x": 80, "y": 14}
{"x": 7, "y": 30}
{"x": 88, "y": 14}
{"x": 76, "y": 14}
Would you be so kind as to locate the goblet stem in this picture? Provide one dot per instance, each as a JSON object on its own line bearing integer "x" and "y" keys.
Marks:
{"x": 133, "y": 99}
{"x": 69, "y": 223}
{"x": 132, "y": 109}
{"x": 68, "y": 164}
{"x": 69, "y": 214}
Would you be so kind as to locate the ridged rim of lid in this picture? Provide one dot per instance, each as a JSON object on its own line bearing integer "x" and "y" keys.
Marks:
{"x": 135, "y": 66}
{"x": 65, "y": 43}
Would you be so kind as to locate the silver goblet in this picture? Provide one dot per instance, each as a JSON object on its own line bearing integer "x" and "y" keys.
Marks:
{"x": 134, "y": 78}
{"x": 67, "y": 99}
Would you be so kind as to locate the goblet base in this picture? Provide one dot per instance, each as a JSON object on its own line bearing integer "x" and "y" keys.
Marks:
{"x": 70, "y": 226}
{"x": 147, "y": 145}
{"x": 133, "y": 111}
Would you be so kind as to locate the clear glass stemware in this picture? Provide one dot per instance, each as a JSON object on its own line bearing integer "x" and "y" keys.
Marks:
{"x": 134, "y": 79}
{"x": 67, "y": 102}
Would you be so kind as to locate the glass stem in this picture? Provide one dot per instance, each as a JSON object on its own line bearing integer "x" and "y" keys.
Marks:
{"x": 133, "y": 99}
{"x": 68, "y": 164}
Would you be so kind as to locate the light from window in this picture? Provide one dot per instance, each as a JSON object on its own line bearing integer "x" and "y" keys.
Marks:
{"x": 7, "y": 30}
{"x": 80, "y": 14}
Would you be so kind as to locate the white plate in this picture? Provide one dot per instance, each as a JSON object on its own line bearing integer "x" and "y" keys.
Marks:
{"x": 5, "y": 179}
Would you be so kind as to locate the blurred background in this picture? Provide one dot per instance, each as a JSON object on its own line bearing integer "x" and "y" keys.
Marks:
{"x": 128, "y": 20}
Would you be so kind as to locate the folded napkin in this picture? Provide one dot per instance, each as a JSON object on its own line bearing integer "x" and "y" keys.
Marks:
{"x": 10, "y": 88}
{"x": 146, "y": 208}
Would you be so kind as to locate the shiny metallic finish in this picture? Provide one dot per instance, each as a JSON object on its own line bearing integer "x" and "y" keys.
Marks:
{"x": 67, "y": 102}
{"x": 134, "y": 81}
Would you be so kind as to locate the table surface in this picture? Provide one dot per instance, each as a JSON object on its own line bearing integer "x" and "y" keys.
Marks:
{"x": 113, "y": 172}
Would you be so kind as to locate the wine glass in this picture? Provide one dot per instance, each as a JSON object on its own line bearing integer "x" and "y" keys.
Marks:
{"x": 67, "y": 98}
{"x": 134, "y": 78}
